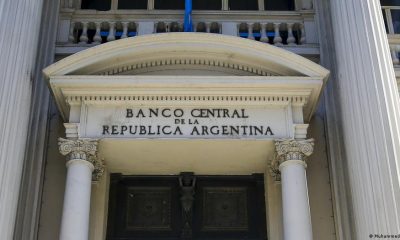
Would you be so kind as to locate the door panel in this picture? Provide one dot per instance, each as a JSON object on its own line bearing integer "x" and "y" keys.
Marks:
{"x": 229, "y": 207}
{"x": 143, "y": 208}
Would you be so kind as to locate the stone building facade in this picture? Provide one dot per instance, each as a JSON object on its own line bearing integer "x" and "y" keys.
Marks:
{"x": 270, "y": 120}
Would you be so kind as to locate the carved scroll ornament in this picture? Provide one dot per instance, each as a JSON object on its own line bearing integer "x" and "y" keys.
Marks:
{"x": 287, "y": 150}
{"x": 85, "y": 150}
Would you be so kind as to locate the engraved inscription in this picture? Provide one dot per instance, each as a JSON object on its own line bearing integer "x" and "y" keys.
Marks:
{"x": 187, "y": 122}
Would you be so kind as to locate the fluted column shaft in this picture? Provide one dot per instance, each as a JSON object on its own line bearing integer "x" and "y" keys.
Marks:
{"x": 20, "y": 21}
{"x": 30, "y": 197}
{"x": 364, "y": 113}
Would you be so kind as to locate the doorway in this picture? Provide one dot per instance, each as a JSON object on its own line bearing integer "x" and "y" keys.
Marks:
{"x": 186, "y": 206}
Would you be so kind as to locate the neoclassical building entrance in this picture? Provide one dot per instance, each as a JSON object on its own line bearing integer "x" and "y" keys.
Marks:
{"x": 186, "y": 206}
{"x": 174, "y": 128}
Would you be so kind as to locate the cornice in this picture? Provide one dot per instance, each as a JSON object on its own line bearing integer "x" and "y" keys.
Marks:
{"x": 186, "y": 90}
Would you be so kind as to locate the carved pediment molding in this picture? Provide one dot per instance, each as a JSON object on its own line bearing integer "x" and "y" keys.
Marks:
{"x": 186, "y": 49}
{"x": 159, "y": 65}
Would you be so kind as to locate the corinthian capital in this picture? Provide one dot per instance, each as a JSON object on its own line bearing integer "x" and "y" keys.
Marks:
{"x": 287, "y": 150}
{"x": 85, "y": 150}
{"x": 77, "y": 149}
{"x": 294, "y": 149}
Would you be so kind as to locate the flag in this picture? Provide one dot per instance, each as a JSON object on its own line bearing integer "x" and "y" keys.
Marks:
{"x": 188, "y": 26}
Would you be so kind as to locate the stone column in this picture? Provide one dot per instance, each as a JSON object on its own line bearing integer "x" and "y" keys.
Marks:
{"x": 291, "y": 155}
{"x": 80, "y": 164}
{"x": 362, "y": 116}
{"x": 21, "y": 21}
{"x": 31, "y": 188}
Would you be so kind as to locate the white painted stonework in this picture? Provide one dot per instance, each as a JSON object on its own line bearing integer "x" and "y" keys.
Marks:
{"x": 185, "y": 122}
{"x": 76, "y": 211}
{"x": 138, "y": 98}
{"x": 295, "y": 204}
{"x": 363, "y": 115}
{"x": 17, "y": 87}
{"x": 258, "y": 97}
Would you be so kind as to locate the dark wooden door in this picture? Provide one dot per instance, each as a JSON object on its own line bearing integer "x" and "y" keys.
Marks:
{"x": 186, "y": 206}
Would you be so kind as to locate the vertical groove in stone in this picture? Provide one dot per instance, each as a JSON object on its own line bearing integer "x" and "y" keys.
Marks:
{"x": 368, "y": 113}
{"x": 32, "y": 177}
{"x": 19, "y": 38}
{"x": 334, "y": 131}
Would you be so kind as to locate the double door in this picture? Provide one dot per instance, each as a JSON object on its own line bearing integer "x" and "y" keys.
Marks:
{"x": 186, "y": 206}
